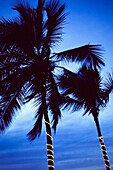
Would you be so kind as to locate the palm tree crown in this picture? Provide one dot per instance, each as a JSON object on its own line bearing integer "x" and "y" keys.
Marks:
{"x": 86, "y": 89}
{"x": 25, "y": 56}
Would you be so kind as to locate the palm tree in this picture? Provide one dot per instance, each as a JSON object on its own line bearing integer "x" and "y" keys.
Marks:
{"x": 86, "y": 89}
{"x": 27, "y": 65}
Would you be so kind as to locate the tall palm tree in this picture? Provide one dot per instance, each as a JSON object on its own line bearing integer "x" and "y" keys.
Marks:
{"x": 27, "y": 66}
{"x": 86, "y": 89}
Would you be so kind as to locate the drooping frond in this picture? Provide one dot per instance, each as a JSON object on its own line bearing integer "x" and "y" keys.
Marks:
{"x": 53, "y": 97}
{"x": 36, "y": 131}
{"x": 12, "y": 93}
{"x": 13, "y": 79}
{"x": 9, "y": 104}
{"x": 88, "y": 55}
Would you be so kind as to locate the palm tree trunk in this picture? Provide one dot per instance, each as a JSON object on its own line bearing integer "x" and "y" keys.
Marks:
{"x": 102, "y": 145}
{"x": 50, "y": 153}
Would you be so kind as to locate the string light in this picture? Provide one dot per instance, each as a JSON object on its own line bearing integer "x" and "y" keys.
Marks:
{"x": 50, "y": 150}
{"x": 51, "y": 166}
{"x": 50, "y": 145}
{"x": 102, "y": 145}
{"x": 105, "y": 154}
{"x": 104, "y": 150}
{"x": 47, "y": 122}
{"x": 49, "y": 135}
{"x": 108, "y": 166}
{"x": 100, "y": 137}
{"x": 106, "y": 160}
{"x": 51, "y": 160}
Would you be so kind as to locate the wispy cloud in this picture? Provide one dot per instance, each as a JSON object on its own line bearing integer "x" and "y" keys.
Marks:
{"x": 76, "y": 146}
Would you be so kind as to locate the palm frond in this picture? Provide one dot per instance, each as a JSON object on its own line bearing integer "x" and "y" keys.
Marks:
{"x": 66, "y": 79}
{"x": 39, "y": 24}
{"x": 53, "y": 97}
{"x": 19, "y": 30}
{"x": 55, "y": 22}
{"x": 13, "y": 77}
{"x": 36, "y": 131}
{"x": 25, "y": 11}
{"x": 9, "y": 105}
{"x": 13, "y": 93}
{"x": 88, "y": 55}
{"x": 108, "y": 87}
{"x": 87, "y": 109}
{"x": 83, "y": 87}
{"x": 71, "y": 103}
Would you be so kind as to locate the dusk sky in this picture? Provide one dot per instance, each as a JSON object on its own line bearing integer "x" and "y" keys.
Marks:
{"x": 76, "y": 144}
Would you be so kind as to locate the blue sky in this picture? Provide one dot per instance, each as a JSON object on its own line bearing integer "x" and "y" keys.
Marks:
{"x": 76, "y": 144}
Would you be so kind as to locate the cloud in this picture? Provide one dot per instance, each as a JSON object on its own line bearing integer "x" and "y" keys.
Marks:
{"x": 76, "y": 144}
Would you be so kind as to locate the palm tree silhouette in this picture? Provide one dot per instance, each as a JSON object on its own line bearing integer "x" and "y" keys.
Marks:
{"x": 86, "y": 89}
{"x": 27, "y": 65}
